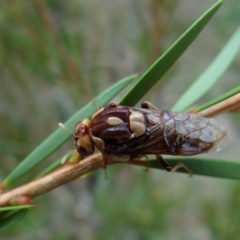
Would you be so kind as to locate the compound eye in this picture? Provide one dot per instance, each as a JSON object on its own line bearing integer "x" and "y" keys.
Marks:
{"x": 75, "y": 136}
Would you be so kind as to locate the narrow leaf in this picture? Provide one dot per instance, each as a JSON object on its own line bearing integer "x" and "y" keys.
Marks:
{"x": 221, "y": 98}
{"x": 205, "y": 167}
{"x": 55, "y": 165}
{"x": 166, "y": 61}
{"x": 12, "y": 218}
{"x": 211, "y": 75}
{"x": 2, "y": 209}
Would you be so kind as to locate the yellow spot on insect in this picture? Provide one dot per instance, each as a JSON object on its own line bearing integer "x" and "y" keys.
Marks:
{"x": 137, "y": 124}
{"x": 114, "y": 121}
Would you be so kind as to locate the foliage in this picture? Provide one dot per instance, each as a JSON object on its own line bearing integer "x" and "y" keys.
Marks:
{"x": 61, "y": 59}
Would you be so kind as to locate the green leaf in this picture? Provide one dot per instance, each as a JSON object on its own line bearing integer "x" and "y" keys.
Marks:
{"x": 221, "y": 98}
{"x": 211, "y": 75}
{"x": 205, "y": 167}
{"x": 2, "y": 209}
{"x": 55, "y": 165}
{"x": 59, "y": 137}
{"x": 11, "y": 218}
{"x": 166, "y": 61}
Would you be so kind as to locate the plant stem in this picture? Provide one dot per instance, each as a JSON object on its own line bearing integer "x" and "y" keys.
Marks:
{"x": 65, "y": 174}
{"x": 228, "y": 105}
{"x": 72, "y": 171}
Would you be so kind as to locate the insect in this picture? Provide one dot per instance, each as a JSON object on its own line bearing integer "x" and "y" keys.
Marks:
{"x": 124, "y": 133}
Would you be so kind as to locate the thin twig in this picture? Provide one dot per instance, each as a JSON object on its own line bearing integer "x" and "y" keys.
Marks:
{"x": 228, "y": 105}
{"x": 71, "y": 171}
{"x": 63, "y": 175}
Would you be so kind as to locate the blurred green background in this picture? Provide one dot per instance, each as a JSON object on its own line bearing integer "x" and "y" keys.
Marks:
{"x": 55, "y": 56}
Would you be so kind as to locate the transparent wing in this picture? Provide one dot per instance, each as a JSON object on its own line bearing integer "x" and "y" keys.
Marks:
{"x": 174, "y": 134}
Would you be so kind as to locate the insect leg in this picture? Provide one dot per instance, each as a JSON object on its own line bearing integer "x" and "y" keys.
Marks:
{"x": 147, "y": 160}
{"x": 169, "y": 168}
{"x": 104, "y": 165}
{"x": 164, "y": 164}
{"x": 148, "y": 105}
{"x": 181, "y": 165}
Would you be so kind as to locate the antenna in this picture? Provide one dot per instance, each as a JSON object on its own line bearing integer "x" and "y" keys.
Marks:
{"x": 61, "y": 125}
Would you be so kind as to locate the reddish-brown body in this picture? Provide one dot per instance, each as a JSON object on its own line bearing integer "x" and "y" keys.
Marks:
{"x": 122, "y": 133}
